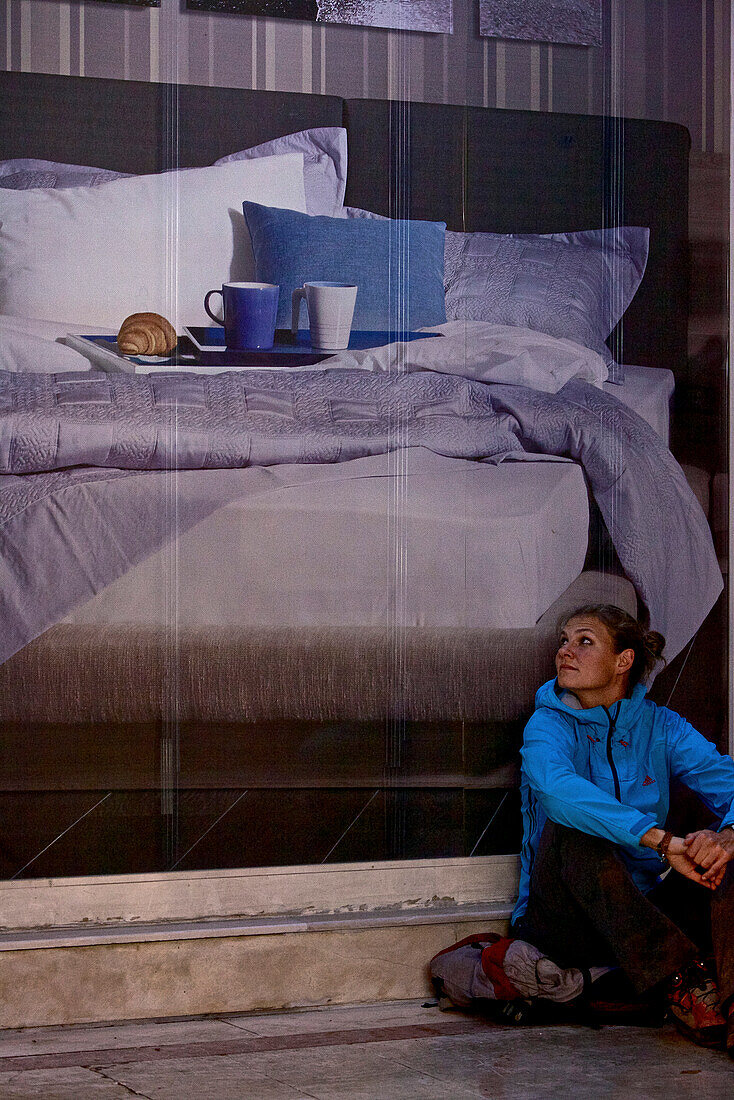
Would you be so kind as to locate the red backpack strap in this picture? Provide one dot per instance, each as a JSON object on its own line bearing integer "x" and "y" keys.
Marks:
{"x": 478, "y": 937}
{"x": 493, "y": 958}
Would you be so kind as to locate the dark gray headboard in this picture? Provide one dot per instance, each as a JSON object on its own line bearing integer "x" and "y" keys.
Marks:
{"x": 526, "y": 172}
{"x": 130, "y": 126}
{"x": 475, "y": 168}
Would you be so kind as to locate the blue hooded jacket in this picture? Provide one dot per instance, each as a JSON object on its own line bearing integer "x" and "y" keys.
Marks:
{"x": 607, "y": 772}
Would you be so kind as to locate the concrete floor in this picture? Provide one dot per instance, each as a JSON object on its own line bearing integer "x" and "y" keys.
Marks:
{"x": 396, "y": 1051}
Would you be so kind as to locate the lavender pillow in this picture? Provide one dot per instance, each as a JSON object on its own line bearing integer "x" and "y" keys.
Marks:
{"x": 324, "y": 151}
{"x": 357, "y": 212}
{"x": 25, "y": 181}
{"x": 574, "y": 286}
{"x": 25, "y": 173}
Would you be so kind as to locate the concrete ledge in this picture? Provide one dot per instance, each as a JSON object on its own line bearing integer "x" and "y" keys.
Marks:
{"x": 140, "y": 946}
{"x": 197, "y": 930}
{"x": 337, "y": 962}
{"x": 260, "y": 893}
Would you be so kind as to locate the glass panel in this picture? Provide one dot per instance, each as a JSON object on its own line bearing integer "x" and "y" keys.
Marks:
{"x": 333, "y": 661}
{"x": 121, "y": 832}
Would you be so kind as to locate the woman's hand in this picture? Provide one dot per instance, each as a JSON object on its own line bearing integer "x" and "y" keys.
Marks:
{"x": 680, "y": 859}
{"x": 681, "y": 854}
{"x": 712, "y": 851}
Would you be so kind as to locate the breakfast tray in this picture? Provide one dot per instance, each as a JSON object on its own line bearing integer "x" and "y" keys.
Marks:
{"x": 212, "y": 356}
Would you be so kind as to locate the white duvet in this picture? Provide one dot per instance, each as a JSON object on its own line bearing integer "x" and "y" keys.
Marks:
{"x": 28, "y": 345}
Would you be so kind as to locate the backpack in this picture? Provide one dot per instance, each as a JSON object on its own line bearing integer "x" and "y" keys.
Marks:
{"x": 514, "y": 982}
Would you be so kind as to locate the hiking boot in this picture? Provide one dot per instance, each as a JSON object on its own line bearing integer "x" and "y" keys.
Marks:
{"x": 693, "y": 1006}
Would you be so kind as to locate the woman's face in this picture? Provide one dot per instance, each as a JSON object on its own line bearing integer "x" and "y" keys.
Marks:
{"x": 587, "y": 664}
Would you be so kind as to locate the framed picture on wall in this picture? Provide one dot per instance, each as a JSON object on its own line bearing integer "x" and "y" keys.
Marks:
{"x": 571, "y": 21}
{"x": 411, "y": 15}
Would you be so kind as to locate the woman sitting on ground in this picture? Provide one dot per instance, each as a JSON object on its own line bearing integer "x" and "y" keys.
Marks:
{"x": 598, "y": 758}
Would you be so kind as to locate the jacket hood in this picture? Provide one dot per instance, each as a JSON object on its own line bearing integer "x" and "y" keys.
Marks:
{"x": 551, "y": 696}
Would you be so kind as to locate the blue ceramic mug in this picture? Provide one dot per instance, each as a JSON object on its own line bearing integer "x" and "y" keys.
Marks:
{"x": 250, "y": 310}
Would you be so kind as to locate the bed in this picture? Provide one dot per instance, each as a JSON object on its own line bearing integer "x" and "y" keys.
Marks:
{"x": 381, "y": 620}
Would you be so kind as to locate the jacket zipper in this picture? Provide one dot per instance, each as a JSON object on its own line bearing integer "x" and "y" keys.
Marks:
{"x": 610, "y": 758}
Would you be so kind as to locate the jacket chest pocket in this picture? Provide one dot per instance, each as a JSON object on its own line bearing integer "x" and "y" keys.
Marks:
{"x": 599, "y": 770}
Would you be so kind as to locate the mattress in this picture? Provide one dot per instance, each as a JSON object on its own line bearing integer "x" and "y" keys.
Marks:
{"x": 648, "y": 391}
{"x": 390, "y": 541}
{"x": 217, "y": 681}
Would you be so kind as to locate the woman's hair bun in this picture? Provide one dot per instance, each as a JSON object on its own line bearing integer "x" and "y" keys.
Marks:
{"x": 654, "y": 644}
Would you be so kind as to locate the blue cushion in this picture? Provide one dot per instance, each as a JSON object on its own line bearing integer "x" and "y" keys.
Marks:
{"x": 397, "y": 265}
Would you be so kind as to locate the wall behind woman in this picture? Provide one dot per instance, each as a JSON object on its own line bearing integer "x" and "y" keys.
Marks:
{"x": 666, "y": 59}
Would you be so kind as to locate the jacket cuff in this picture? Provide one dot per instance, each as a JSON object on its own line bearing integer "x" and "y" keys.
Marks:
{"x": 647, "y": 821}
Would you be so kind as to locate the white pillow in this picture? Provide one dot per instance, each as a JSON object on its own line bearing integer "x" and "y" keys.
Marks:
{"x": 154, "y": 243}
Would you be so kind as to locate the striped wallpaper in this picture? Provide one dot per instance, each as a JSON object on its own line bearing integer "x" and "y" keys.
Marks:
{"x": 665, "y": 59}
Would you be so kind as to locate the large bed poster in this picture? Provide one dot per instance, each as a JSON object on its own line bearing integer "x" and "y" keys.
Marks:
{"x": 577, "y": 22}
{"x": 409, "y": 15}
{"x": 426, "y": 573}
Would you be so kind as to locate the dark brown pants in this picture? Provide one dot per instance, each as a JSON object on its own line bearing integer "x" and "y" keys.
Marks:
{"x": 585, "y": 910}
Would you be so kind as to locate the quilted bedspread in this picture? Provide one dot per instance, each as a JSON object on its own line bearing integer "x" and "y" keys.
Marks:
{"x": 100, "y": 470}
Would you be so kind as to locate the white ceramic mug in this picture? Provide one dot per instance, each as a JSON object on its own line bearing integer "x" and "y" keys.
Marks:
{"x": 330, "y": 311}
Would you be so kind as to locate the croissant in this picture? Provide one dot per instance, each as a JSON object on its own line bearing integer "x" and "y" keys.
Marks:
{"x": 146, "y": 334}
